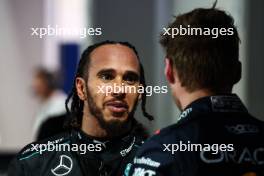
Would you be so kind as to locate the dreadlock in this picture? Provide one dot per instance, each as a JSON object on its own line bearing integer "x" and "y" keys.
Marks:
{"x": 75, "y": 111}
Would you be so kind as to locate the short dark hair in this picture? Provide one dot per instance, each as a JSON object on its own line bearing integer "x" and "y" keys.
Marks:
{"x": 75, "y": 112}
{"x": 204, "y": 61}
{"x": 48, "y": 77}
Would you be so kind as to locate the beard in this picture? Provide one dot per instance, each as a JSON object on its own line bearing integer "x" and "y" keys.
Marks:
{"x": 113, "y": 128}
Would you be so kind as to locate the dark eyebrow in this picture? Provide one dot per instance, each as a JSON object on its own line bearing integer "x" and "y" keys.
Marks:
{"x": 132, "y": 73}
{"x": 104, "y": 71}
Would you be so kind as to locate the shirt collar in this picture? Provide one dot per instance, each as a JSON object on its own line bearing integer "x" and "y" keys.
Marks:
{"x": 215, "y": 103}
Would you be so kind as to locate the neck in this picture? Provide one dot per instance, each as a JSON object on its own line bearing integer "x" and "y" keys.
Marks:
{"x": 187, "y": 98}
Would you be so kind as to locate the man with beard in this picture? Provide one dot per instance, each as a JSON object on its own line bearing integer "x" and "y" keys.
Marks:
{"x": 102, "y": 121}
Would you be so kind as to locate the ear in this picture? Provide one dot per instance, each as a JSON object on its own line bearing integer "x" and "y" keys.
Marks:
{"x": 169, "y": 71}
{"x": 80, "y": 88}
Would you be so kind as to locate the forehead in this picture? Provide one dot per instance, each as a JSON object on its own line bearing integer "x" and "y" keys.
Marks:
{"x": 114, "y": 56}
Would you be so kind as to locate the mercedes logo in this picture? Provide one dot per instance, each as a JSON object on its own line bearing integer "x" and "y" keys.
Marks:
{"x": 64, "y": 167}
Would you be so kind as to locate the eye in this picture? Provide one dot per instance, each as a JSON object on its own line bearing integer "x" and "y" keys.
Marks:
{"x": 131, "y": 79}
{"x": 106, "y": 76}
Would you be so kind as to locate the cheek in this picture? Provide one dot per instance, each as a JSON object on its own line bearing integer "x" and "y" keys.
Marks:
{"x": 95, "y": 93}
{"x": 133, "y": 96}
{"x": 132, "y": 100}
{"x": 100, "y": 88}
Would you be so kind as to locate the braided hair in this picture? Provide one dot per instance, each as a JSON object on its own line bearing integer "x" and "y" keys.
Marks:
{"x": 75, "y": 111}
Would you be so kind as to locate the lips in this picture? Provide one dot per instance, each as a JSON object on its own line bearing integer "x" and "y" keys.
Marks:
{"x": 117, "y": 106}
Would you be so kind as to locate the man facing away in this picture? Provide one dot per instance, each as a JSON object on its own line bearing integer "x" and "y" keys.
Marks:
{"x": 215, "y": 136}
{"x": 104, "y": 135}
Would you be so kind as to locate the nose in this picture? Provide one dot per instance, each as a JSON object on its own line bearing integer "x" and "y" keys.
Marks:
{"x": 118, "y": 89}
{"x": 120, "y": 95}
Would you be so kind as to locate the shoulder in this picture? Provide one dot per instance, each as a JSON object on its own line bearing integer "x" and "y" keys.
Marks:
{"x": 38, "y": 148}
{"x": 37, "y": 155}
{"x": 154, "y": 148}
{"x": 152, "y": 158}
{"x": 173, "y": 132}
